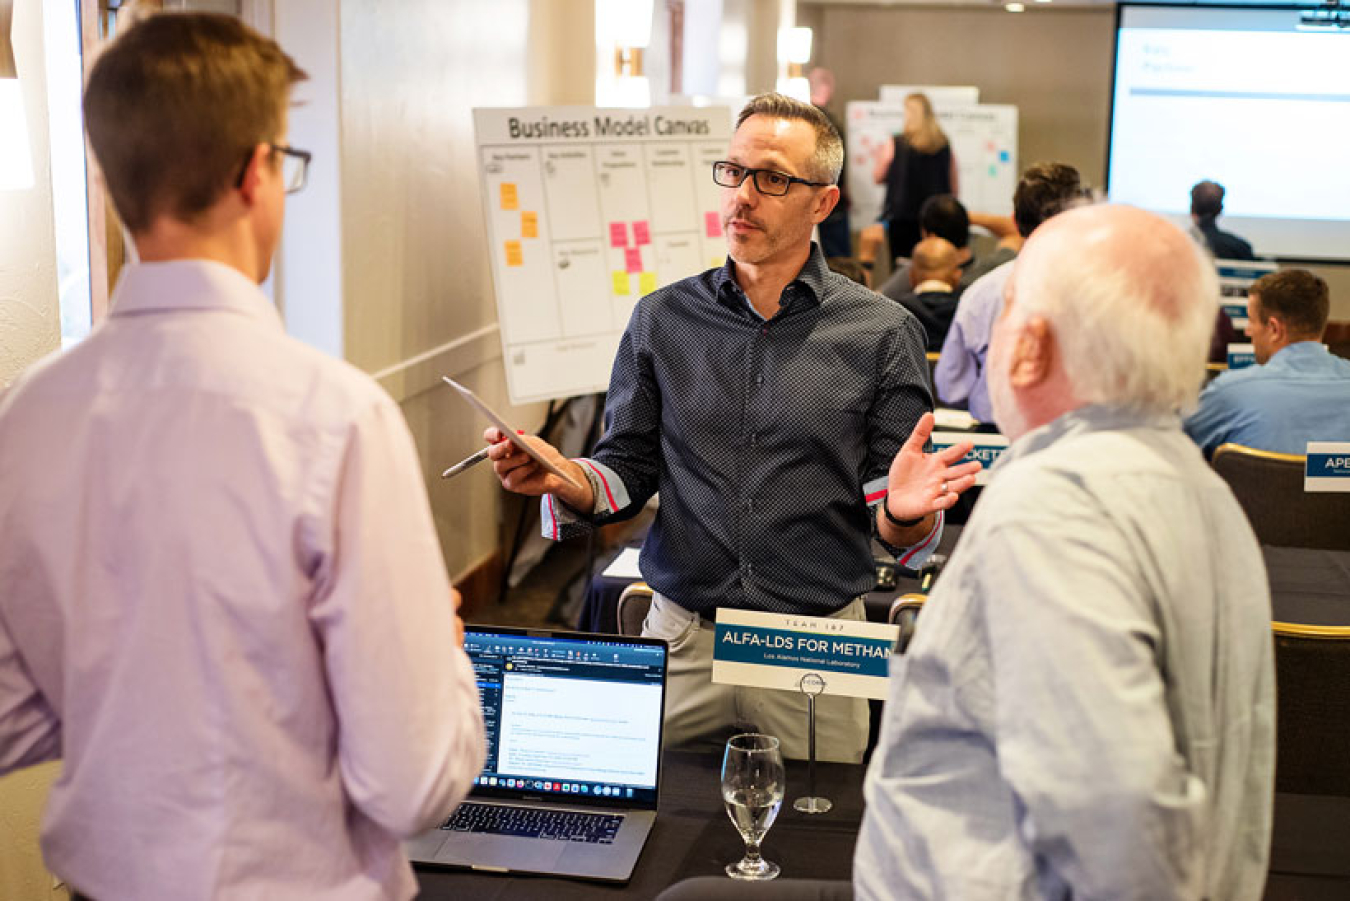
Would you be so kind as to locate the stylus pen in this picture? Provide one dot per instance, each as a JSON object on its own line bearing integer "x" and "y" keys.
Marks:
{"x": 465, "y": 464}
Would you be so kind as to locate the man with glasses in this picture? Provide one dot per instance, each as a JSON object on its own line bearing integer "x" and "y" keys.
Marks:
{"x": 224, "y": 602}
{"x": 781, "y": 410}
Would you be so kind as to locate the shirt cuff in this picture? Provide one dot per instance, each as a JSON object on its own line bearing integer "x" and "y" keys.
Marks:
{"x": 559, "y": 522}
{"x": 914, "y": 556}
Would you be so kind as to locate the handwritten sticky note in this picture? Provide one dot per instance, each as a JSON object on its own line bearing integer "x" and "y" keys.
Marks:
{"x": 618, "y": 234}
{"x": 514, "y": 255}
{"x": 641, "y": 233}
{"x": 529, "y": 225}
{"x": 646, "y": 282}
{"x": 713, "y": 223}
{"x": 620, "y": 283}
{"x": 510, "y": 200}
{"x": 632, "y": 259}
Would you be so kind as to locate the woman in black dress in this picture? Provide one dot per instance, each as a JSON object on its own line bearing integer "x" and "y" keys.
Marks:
{"x": 916, "y": 165}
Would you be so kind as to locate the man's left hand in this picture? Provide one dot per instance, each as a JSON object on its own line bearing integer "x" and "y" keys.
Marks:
{"x": 920, "y": 483}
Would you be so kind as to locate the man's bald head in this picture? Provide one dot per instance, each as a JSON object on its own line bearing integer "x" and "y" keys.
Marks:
{"x": 935, "y": 258}
{"x": 1130, "y": 300}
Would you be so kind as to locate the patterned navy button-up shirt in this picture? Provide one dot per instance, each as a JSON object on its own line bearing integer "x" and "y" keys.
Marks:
{"x": 769, "y": 440}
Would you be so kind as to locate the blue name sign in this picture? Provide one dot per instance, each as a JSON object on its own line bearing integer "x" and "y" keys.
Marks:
{"x": 1240, "y": 356}
{"x": 1328, "y": 466}
{"x": 772, "y": 650}
{"x": 988, "y": 448}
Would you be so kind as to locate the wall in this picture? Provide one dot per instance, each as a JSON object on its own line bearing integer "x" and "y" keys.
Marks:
{"x": 1053, "y": 64}
{"x": 384, "y": 259}
{"x": 30, "y": 317}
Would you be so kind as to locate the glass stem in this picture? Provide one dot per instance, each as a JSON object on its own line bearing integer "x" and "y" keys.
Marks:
{"x": 752, "y": 852}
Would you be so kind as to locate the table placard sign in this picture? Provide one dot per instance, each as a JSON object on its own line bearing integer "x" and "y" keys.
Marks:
{"x": 988, "y": 448}
{"x": 1327, "y": 467}
{"x": 1240, "y": 356}
{"x": 775, "y": 650}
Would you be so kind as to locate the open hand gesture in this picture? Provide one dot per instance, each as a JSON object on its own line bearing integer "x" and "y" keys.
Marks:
{"x": 918, "y": 483}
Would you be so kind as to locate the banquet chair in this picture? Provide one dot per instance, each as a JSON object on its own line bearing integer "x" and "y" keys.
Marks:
{"x": 634, "y": 603}
{"x": 1312, "y": 703}
{"x": 1269, "y": 486}
{"x": 905, "y": 614}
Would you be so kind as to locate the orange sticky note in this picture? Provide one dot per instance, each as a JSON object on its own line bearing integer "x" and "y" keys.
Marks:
{"x": 510, "y": 201}
{"x": 514, "y": 255}
{"x": 646, "y": 282}
{"x": 529, "y": 225}
{"x": 621, "y": 283}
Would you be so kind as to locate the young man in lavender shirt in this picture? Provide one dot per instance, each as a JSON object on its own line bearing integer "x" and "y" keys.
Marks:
{"x": 224, "y": 600}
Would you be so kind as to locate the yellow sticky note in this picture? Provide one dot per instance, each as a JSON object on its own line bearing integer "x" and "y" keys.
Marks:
{"x": 621, "y": 283}
{"x": 718, "y": 262}
{"x": 510, "y": 201}
{"x": 647, "y": 283}
{"x": 529, "y": 225}
{"x": 514, "y": 255}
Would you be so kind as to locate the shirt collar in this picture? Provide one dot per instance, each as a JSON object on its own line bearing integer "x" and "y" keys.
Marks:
{"x": 1298, "y": 350}
{"x": 812, "y": 277}
{"x": 933, "y": 286}
{"x": 179, "y": 285}
{"x": 1082, "y": 421}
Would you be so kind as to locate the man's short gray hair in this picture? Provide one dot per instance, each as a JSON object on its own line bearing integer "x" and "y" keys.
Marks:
{"x": 828, "y": 159}
{"x": 1132, "y": 301}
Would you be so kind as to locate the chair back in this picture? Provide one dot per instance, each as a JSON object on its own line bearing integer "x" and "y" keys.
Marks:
{"x": 634, "y": 603}
{"x": 1269, "y": 486}
{"x": 905, "y": 614}
{"x": 1312, "y": 702}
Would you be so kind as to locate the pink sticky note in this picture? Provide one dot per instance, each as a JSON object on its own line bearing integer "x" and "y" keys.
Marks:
{"x": 641, "y": 234}
{"x": 632, "y": 258}
{"x": 618, "y": 234}
{"x": 714, "y": 224}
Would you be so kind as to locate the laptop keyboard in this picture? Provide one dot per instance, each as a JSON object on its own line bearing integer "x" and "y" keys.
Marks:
{"x": 534, "y": 822}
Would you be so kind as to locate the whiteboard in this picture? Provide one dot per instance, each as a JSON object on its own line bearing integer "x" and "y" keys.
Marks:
{"x": 983, "y": 139}
{"x": 587, "y": 210}
{"x": 940, "y": 95}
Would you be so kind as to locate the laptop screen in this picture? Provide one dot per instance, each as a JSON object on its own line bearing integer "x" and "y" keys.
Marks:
{"x": 568, "y": 715}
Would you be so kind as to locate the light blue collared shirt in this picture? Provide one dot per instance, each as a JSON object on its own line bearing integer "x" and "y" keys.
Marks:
{"x": 1087, "y": 707}
{"x": 1301, "y": 394}
{"x": 959, "y": 374}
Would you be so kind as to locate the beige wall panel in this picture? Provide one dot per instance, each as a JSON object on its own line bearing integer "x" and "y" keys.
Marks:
{"x": 1054, "y": 65}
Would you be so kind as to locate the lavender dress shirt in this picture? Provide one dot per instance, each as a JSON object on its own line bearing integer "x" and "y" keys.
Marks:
{"x": 959, "y": 374}
{"x": 225, "y": 606}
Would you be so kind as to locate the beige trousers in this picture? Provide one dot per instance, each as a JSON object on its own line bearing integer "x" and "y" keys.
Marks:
{"x": 701, "y": 712}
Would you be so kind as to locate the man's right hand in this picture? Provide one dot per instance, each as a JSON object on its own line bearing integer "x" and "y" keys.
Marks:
{"x": 521, "y": 473}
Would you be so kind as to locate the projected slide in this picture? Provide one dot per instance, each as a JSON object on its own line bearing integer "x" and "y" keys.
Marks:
{"x": 1244, "y": 98}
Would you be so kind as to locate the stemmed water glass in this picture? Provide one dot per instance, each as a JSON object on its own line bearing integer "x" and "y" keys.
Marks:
{"x": 752, "y": 787}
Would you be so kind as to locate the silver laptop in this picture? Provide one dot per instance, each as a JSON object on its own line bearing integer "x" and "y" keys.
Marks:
{"x": 573, "y": 756}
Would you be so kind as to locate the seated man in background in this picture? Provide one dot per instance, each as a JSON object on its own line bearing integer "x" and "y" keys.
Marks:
{"x": 1087, "y": 707}
{"x": 1206, "y": 205}
{"x": 224, "y": 602}
{"x": 1298, "y": 391}
{"x": 1043, "y": 190}
{"x": 943, "y": 216}
{"x": 934, "y": 273}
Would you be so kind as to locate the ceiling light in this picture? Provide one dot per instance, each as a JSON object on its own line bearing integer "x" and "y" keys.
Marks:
{"x": 1015, "y": 7}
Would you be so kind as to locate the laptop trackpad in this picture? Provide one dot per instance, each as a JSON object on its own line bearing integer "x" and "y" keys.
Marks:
{"x": 500, "y": 851}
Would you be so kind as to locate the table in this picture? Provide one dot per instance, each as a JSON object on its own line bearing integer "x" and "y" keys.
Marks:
{"x": 694, "y": 837}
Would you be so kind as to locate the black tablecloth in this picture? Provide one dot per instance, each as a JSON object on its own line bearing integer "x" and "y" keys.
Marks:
{"x": 694, "y": 837}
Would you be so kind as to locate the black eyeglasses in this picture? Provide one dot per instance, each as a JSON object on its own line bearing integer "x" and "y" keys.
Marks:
{"x": 294, "y": 167}
{"x": 767, "y": 181}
